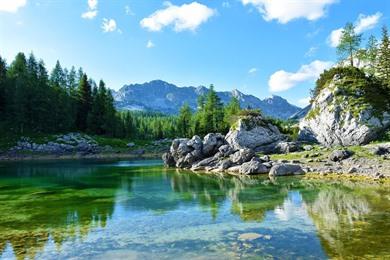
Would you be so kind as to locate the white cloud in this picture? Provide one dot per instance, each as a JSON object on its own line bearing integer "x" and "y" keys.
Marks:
{"x": 91, "y": 11}
{"x": 92, "y": 4}
{"x": 311, "y": 52}
{"x": 282, "y": 80}
{"x": 109, "y": 25}
{"x": 286, "y": 10}
{"x": 252, "y": 71}
{"x": 149, "y": 44}
{"x": 304, "y": 101}
{"x": 89, "y": 14}
{"x": 367, "y": 22}
{"x": 335, "y": 37}
{"x": 184, "y": 17}
{"x": 362, "y": 24}
{"x": 11, "y": 6}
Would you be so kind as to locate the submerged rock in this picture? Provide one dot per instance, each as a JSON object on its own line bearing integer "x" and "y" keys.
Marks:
{"x": 249, "y": 236}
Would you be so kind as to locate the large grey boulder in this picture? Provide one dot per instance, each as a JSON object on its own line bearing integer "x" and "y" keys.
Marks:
{"x": 253, "y": 167}
{"x": 284, "y": 169}
{"x": 179, "y": 148}
{"x": 287, "y": 147}
{"x": 255, "y": 133}
{"x": 184, "y": 152}
{"x": 211, "y": 143}
{"x": 168, "y": 160}
{"x": 201, "y": 165}
{"x": 334, "y": 119}
{"x": 226, "y": 150}
{"x": 242, "y": 156}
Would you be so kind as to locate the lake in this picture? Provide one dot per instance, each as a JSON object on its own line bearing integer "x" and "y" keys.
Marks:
{"x": 140, "y": 210}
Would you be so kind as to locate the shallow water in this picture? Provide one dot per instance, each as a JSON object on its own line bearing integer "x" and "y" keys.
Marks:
{"x": 139, "y": 210}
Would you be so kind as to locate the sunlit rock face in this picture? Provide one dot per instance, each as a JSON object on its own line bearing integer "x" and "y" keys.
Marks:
{"x": 255, "y": 133}
{"x": 336, "y": 119}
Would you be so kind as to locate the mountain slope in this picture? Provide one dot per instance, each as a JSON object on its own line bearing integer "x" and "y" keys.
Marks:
{"x": 167, "y": 98}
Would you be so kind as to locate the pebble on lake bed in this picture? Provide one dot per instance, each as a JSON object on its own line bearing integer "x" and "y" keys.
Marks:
{"x": 249, "y": 236}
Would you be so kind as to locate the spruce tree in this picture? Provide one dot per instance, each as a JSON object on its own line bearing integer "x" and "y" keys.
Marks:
{"x": 18, "y": 75}
{"x": 84, "y": 103}
{"x": 184, "y": 121}
{"x": 3, "y": 88}
{"x": 58, "y": 76}
{"x": 371, "y": 54}
{"x": 232, "y": 109}
{"x": 212, "y": 120}
{"x": 383, "y": 65}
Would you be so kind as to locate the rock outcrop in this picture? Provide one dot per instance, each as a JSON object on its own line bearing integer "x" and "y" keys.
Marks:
{"x": 255, "y": 133}
{"x": 62, "y": 144}
{"x": 336, "y": 118}
{"x": 235, "y": 154}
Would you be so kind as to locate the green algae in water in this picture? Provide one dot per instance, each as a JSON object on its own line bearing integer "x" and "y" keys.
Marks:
{"x": 138, "y": 209}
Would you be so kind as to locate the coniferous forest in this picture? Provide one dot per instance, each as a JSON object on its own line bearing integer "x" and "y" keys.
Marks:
{"x": 34, "y": 101}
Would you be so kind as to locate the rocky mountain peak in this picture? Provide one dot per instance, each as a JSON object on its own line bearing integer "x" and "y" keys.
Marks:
{"x": 158, "y": 95}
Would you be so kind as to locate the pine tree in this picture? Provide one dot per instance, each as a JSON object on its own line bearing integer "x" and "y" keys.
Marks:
{"x": 72, "y": 80}
{"x": 212, "y": 120}
{"x": 349, "y": 43}
{"x": 84, "y": 103}
{"x": 18, "y": 75}
{"x": 371, "y": 54}
{"x": 58, "y": 76}
{"x": 383, "y": 65}
{"x": 232, "y": 109}
{"x": 110, "y": 116}
{"x": 3, "y": 88}
{"x": 184, "y": 121}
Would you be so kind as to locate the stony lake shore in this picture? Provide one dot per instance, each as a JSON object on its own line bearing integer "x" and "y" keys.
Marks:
{"x": 77, "y": 146}
{"x": 255, "y": 147}
{"x": 214, "y": 155}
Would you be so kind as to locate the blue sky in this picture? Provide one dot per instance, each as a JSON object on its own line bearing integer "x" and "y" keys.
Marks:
{"x": 261, "y": 47}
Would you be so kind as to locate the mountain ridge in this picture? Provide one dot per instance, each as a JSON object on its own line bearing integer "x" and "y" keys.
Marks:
{"x": 159, "y": 95}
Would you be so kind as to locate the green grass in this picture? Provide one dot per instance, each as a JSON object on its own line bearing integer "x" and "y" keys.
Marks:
{"x": 113, "y": 142}
{"x": 358, "y": 152}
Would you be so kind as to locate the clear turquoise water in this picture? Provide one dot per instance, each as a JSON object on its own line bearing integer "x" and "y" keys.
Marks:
{"x": 139, "y": 210}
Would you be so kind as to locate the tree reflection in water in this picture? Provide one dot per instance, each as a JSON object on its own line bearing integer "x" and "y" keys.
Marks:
{"x": 43, "y": 205}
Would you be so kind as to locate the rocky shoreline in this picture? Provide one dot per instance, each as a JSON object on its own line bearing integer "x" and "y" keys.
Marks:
{"x": 244, "y": 151}
{"x": 76, "y": 146}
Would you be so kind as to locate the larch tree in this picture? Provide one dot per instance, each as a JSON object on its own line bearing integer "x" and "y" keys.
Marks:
{"x": 349, "y": 43}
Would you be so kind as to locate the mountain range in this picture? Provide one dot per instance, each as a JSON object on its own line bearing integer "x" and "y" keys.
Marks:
{"x": 160, "y": 96}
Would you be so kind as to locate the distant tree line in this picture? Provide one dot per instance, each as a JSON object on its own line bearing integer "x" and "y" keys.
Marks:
{"x": 32, "y": 101}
